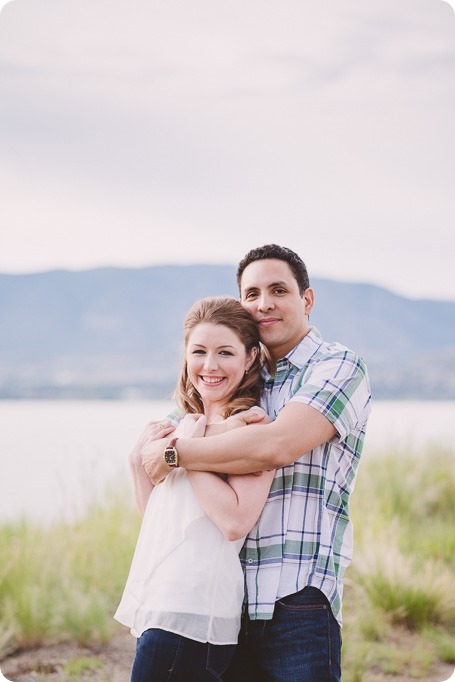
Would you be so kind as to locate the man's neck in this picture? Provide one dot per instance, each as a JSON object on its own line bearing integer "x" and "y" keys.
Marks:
{"x": 273, "y": 356}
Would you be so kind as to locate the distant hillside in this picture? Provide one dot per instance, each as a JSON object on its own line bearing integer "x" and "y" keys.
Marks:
{"x": 114, "y": 332}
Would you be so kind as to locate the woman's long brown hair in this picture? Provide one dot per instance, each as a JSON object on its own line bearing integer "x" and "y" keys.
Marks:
{"x": 228, "y": 312}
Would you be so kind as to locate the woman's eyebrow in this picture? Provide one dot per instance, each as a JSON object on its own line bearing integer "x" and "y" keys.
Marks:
{"x": 201, "y": 345}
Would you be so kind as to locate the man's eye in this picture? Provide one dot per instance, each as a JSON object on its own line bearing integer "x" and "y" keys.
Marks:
{"x": 280, "y": 291}
{"x": 251, "y": 294}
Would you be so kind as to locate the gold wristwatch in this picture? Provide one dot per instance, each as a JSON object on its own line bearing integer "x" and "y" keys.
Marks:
{"x": 171, "y": 456}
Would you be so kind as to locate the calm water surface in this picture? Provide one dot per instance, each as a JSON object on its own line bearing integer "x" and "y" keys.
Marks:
{"x": 57, "y": 456}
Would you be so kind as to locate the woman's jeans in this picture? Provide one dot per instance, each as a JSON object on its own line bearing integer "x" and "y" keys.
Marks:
{"x": 302, "y": 643}
{"x": 162, "y": 656}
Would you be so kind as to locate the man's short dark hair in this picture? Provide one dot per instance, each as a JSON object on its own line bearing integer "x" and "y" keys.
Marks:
{"x": 267, "y": 251}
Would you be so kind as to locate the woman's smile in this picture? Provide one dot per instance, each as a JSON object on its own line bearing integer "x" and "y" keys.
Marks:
{"x": 216, "y": 363}
{"x": 212, "y": 380}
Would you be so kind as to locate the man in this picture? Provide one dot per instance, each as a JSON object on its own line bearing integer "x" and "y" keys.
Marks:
{"x": 318, "y": 396}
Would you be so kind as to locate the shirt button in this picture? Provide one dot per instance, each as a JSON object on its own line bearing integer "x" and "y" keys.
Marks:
{"x": 250, "y": 561}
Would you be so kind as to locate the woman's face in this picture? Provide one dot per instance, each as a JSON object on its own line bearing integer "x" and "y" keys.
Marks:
{"x": 216, "y": 361}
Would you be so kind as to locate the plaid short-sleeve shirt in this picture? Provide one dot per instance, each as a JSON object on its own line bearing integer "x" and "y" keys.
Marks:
{"x": 304, "y": 534}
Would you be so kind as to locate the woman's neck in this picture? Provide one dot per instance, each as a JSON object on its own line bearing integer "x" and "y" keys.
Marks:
{"x": 213, "y": 413}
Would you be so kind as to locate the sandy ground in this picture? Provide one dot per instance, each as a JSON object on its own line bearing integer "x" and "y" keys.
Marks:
{"x": 108, "y": 663}
{"x": 112, "y": 663}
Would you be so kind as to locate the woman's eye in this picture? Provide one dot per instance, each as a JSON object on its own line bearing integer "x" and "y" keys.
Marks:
{"x": 225, "y": 352}
{"x": 198, "y": 351}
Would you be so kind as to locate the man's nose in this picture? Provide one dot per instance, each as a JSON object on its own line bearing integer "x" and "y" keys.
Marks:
{"x": 265, "y": 303}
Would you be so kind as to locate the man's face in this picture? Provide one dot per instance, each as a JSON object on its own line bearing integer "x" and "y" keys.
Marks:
{"x": 270, "y": 293}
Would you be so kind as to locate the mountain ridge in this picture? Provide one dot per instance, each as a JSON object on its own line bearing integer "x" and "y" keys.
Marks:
{"x": 116, "y": 332}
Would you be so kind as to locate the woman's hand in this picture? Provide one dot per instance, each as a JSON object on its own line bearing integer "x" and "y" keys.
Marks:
{"x": 255, "y": 415}
{"x": 154, "y": 431}
{"x": 152, "y": 450}
{"x": 192, "y": 426}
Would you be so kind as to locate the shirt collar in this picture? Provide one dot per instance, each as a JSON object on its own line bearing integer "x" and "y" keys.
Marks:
{"x": 299, "y": 355}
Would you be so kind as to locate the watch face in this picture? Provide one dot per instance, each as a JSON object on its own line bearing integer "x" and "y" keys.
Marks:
{"x": 170, "y": 456}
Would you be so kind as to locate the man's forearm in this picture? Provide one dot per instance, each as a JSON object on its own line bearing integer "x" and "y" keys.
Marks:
{"x": 240, "y": 451}
{"x": 258, "y": 447}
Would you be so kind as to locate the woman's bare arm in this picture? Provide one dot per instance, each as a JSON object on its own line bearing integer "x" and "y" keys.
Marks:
{"x": 233, "y": 505}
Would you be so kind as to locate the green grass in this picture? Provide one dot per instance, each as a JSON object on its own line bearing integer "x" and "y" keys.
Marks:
{"x": 77, "y": 666}
{"x": 399, "y": 604}
{"x": 64, "y": 582}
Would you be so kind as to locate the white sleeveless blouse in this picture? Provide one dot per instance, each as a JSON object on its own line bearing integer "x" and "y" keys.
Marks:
{"x": 185, "y": 576}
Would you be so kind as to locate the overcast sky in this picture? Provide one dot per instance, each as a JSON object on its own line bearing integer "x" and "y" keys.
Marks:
{"x": 155, "y": 131}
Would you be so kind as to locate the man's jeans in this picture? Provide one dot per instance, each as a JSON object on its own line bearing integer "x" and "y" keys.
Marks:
{"x": 302, "y": 643}
{"x": 163, "y": 656}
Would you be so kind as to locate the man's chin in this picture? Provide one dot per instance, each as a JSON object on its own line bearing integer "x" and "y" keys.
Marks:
{"x": 268, "y": 337}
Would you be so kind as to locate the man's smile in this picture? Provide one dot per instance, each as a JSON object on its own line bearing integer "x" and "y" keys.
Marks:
{"x": 267, "y": 321}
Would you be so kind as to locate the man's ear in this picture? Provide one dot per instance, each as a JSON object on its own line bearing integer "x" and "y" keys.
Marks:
{"x": 308, "y": 297}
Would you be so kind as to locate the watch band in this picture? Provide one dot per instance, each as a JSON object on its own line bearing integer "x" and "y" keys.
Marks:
{"x": 171, "y": 456}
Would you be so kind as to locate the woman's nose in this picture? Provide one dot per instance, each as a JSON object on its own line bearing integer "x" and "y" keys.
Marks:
{"x": 211, "y": 362}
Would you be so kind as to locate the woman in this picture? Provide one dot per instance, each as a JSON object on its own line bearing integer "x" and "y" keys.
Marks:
{"x": 184, "y": 592}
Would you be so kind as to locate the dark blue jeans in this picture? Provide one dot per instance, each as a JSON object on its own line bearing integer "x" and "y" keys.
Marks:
{"x": 302, "y": 643}
{"x": 162, "y": 656}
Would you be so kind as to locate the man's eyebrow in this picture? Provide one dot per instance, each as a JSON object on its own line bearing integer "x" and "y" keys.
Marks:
{"x": 279, "y": 283}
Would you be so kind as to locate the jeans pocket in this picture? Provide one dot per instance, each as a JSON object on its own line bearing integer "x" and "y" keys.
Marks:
{"x": 306, "y": 599}
{"x": 218, "y": 658}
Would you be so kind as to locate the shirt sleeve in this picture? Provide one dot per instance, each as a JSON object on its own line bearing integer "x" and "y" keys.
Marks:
{"x": 339, "y": 388}
{"x": 176, "y": 416}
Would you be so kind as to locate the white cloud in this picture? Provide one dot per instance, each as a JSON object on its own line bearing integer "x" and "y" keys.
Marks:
{"x": 210, "y": 128}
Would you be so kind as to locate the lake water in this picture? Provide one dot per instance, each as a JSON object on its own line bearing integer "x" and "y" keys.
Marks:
{"x": 57, "y": 456}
